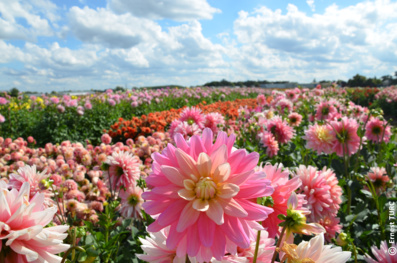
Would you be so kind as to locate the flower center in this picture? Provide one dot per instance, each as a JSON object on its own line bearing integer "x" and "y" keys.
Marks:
{"x": 205, "y": 189}
{"x": 376, "y": 130}
{"x": 133, "y": 200}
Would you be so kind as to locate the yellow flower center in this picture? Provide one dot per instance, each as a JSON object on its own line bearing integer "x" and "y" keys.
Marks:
{"x": 205, "y": 189}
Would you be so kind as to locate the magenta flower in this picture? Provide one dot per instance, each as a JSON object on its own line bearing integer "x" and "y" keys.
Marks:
{"x": 375, "y": 131}
{"x": 346, "y": 140}
{"x": 206, "y": 185}
{"x": 280, "y": 129}
{"x": 192, "y": 115}
{"x": 22, "y": 227}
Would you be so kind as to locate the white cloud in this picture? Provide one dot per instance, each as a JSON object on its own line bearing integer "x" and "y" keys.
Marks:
{"x": 35, "y": 13}
{"x": 322, "y": 43}
{"x": 179, "y": 10}
{"x": 311, "y": 5}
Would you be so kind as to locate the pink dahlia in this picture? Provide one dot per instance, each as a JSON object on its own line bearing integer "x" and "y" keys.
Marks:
{"x": 383, "y": 254}
{"x": 283, "y": 187}
{"x": 317, "y": 191}
{"x": 346, "y": 140}
{"x": 375, "y": 131}
{"x": 294, "y": 119}
{"x": 187, "y": 130}
{"x": 335, "y": 190}
{"x": 213, "y": 121}
{"x": 131, "y": 202}
{"x": 29, "y": 174}
{"x": 319, "y": 138}
{"x": 270, "y": 143}
{"x": 261, "y": 99}
{"x": 378, "y": 177}
{"x": 280, "y": 129}
{"x": 331, "y": 226}
{"x": 2, "y": 119}
{"x": 22, "y": 227}
{"x": 124, "y": 169}
{"x": 284, "y": 105}
{"x": 206, "y": 185}
{"x": 324, "y": 110}
{"x": 192, "y": 115}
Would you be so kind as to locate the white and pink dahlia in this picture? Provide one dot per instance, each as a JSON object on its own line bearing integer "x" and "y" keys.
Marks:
{"x": 317, "y": 192}
{"x": 269, "y": 142}
{"x": 124, "y": 169}
{"x": 206, "y": 185}
{"x": 314, "y": 251}
{"x": 23, "y": 236}
{"x": 213, "y": 121}
{"x": 319, "y": 138}
{"x": 131, "y": 202}
{"x": 383, "y": 253}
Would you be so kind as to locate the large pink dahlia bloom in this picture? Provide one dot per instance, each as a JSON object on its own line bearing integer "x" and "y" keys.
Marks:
{"x": 346, "y": 140}
{"x": 23, "y": 237}
{"x": 204, "y": 191}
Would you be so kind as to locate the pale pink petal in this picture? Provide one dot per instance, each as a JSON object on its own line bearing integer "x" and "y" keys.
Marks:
{"x": 222, "y": 173}
{"x": 218, "y": 157}
{"x": 173, "y": 175}
{"x": 204, "y": 164}
{"x": 215, "y": 212}
{"x": 188, "y": 217}
{"x": 201, "y": 205}
{"x": 228, "y": 190}
{"x": 186, "y": 163}
{"x": 207, "y": 230}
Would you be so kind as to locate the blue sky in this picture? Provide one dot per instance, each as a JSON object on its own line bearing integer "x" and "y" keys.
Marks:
{"x": 98, "y": 44}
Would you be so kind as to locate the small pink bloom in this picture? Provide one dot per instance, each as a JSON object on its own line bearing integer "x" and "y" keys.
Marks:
{"x": 320, "y": 138}
{"x": 106, "y": 139}
{"x": 124, "y": 169}
{"x": 375, "y": 131}
{"x": 131, "y": 202}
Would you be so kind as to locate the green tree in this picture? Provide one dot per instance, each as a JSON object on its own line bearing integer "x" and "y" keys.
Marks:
{"x": 14, "y": 92}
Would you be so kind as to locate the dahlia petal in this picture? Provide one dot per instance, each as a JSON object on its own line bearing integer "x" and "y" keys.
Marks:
{"x": 186, "y": 163}
{"x": 157, "y": 180}
{"x": 207, "y": 227}
{"x": 193, "y": 241}
{"x": 19, "y": 248}
{"x": 215, "y": 212}
{"x": 5, "y": 211}
{"x": 249, "y": 162}
{"x": 204, "y": 164}
{"x": 171, "y": 214}
{"x": 230, "y": 143}
{"x": 207, "y": 139}
{"x": 173, "y": 175}
{"x": 235, "y": 159}
{"x": 181, "y": 249}
{"x": 196, "y": 146}
{"x": 188, "y": 217}
{"x": 228, "y": 190}
{"x": 154, "y": 227}
{"x": 168, "y": 191}
{"x": 233, "y": 208}
{"x": 218, "y": 157}
{"x": 254, "y": 211}
{"x": 181, "y": 143}
{"x": 218, "y": 247}
{"x": 201, "y": 205}
{"x": 174, "y": 237}
{"x": 235, "y": 231}
{"x": 221, "y": 139}
{"x": 239, "y": 179}
{"x": 222, "y": 173}
{"x": 154, "y": 208}
{"x": 188, "y": 195}
{"x": 255, "y": 189}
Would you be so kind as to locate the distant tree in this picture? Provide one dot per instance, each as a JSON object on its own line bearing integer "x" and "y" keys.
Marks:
{"x": 14, "y": 92}
{"x": 118, "y": 88}
{"x": 357, "y": 81}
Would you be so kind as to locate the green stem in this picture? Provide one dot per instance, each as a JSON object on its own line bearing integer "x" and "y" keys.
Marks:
{"x": 258, "y": 237}
{"x": 70, "y": 250}
{"x": 354, "y": 253}
{"x": 376, "y": 198}
{"x": 279, "y": 242}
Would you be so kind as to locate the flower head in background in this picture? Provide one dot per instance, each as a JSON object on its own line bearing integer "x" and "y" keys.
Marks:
{"x": 314, "y": 251}
{"x": 382, "y": 254}
{"x": 123, "y": 169}
{"x": 375, "y": 131}
{"x": 131, "y": 202}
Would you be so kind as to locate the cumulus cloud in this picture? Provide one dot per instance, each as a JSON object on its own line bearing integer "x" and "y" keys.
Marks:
{"x": 179, "y": 10}
{"x": 298, "y": 42}
{"x": 36, "y": 14}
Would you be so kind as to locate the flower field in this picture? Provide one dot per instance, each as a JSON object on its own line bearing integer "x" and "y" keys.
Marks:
{"x": 200, "y": 175}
